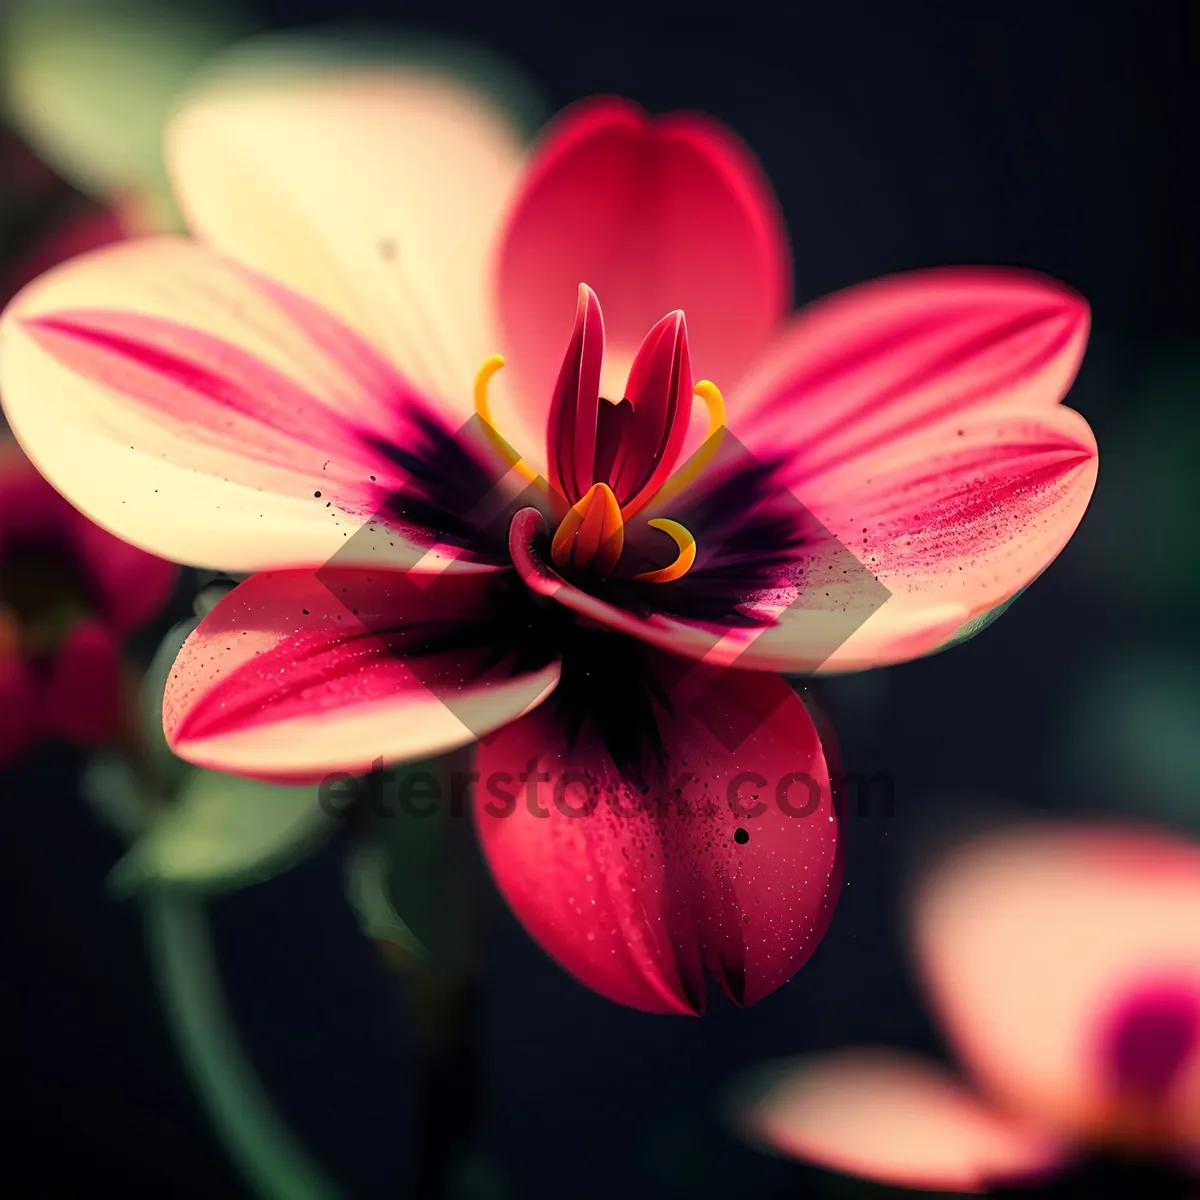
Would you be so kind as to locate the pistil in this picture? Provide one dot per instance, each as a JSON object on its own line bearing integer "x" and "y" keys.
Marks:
{"x": 591, "y": 536}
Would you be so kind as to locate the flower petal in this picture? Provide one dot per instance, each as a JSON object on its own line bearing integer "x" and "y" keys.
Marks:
{"x": 655, "y": 214}
{"x": 130, "y": 586}
{"x": 917, "y": 417}
{"x": 203, "y": 413}
{"x": 1063, "y": 962}
{"x": 84, "y": 228}
{"x": 897, "y": 1120}
{"x": 30, "y": 509}
{"x": 966, "y": 515}
{"x": 873, "y": 363}
{"x": 681, "y": 823}
{"x": 18, "y": 696}
{"x": 572, "y": 425}
{"x": 83, "y": 694}
{"x": 377, "y": 193}
{"x": 768, "y": 587}
{"x": 295, "y": 674}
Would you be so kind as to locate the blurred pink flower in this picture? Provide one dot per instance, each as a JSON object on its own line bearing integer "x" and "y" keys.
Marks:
{"x": 310, "y": 368}
{"x": 68, "y": 593}
{"x": 85, "y": 227}
{"x": 1065, "y": 967}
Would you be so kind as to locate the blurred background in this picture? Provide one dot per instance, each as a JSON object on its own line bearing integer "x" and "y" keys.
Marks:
{"x": 1040, "y": 134}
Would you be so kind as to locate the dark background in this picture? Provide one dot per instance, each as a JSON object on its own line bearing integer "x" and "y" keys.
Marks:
{"x": 1051, "y": 135}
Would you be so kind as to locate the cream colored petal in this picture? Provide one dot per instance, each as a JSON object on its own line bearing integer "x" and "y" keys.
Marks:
{"x": 378, "y": 194}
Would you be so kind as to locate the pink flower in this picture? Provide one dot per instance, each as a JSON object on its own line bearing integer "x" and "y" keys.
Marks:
{"x": 68, "y": 593}
{"x": 1065, "y": 967}
{"x": 86, "y": 227}
{"x": 321, "y": 364}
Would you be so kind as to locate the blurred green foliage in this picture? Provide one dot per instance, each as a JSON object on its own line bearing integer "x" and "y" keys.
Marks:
{"x": 274, "y": 59}
{"x": 90, "y": 85}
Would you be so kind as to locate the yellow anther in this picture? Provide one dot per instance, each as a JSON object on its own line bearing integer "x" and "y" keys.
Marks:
{"x": 592, "y": 534}
{"x": 482, "y": 379}
{"x": 683, "y": 540}
{"x": 713, "y": 401}
{"x": 490, "y": 366}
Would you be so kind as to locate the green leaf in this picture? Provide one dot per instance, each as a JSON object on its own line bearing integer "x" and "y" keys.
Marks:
{"x": 211, "y": 595}
{"x": 90, "y": 83}
{"x": 114, "y": 792}
{"x": 368, "y": 889}
{"x": 409, "y": 882}
{"x": 224, "y": 832}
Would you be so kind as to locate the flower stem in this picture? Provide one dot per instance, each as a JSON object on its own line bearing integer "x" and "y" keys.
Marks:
{"x": 449, "y": 1085}
{"x": 271, "y": 1161}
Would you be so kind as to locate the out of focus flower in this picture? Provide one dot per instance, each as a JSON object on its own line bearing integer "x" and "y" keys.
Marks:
{"x": 311, "y": 368}
{"x": 69, "y": 592}
{"x": 1064, "y": 964}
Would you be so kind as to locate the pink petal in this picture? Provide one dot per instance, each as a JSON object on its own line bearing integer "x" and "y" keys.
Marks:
{"x": 918, "y": 418}
{"x": 86, "y": 228}
{"x": 83, "y": 695}
{"x": 897, "y": 1120}
{"x": 1060, "y": 960}
{"x": 655, "y": 214}
{"x": 205, "y": 414}
{"x": 378, "y": 194}
{"x": 296, "y": 674}
{"x": 876, "y": 362}
{"x": 659, "y": 395}
{"x": 770, "y": 588}
{"x": 131, "y": 587}
{"x": 18, "y": 702}
{"x": 684, "y": 825}
{"x": 30, "y": 509}
{"x": 574, "y": 410}
{"x": 965, "y": 515}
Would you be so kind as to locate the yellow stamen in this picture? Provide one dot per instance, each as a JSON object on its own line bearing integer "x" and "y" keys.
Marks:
{"x": 715, "y": 403}
{"x": 591, "y": 535}
{"x": 490, "y": 366}
{"x": 687, "y": 549}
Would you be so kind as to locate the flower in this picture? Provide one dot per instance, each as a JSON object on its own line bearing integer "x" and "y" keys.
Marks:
{"x": 1064, "y": 964}
{"x": 68, "y": 593}
{"x": 309, "y": 391}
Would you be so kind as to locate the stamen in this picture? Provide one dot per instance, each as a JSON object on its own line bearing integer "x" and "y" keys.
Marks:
{"x": 682, "y": 538}
{"x": 491, "y": 365}
{"x": 715, "y": 403}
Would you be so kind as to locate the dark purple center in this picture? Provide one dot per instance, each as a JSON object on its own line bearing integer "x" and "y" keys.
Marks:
{"x": 1153, "y": 1035}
